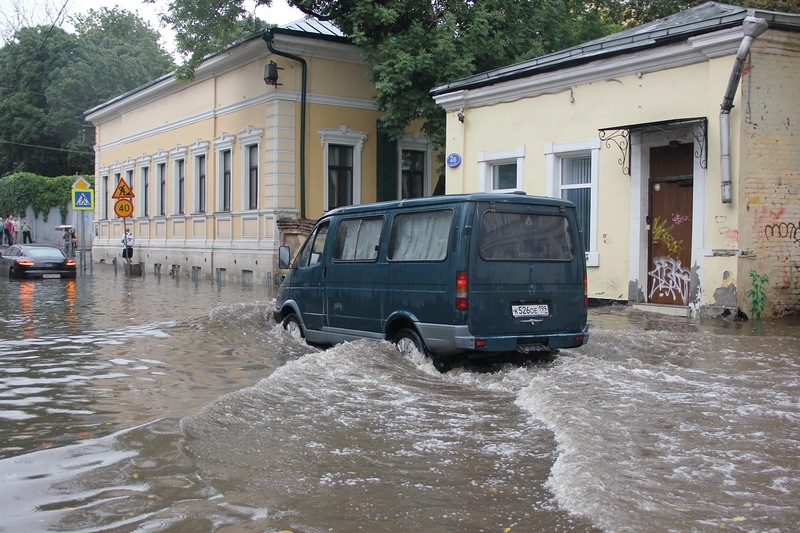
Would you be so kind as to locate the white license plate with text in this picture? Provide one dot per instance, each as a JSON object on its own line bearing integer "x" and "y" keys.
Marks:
{"x": 51, "y": 276}
{"x": 521, "y": 311}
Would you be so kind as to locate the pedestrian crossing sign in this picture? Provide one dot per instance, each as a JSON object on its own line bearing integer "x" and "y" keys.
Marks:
{"x": 83, "y": 199}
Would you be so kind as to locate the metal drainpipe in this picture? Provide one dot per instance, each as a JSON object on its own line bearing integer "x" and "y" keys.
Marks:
{"x": 753, "y": 27}
{"x": 268, "y": 37}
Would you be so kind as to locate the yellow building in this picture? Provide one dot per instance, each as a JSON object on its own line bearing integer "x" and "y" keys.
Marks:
{"x": 677, "y": 140}
{"x": 272, "y": 132}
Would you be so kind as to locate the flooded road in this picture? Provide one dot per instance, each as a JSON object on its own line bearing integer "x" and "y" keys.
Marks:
{"x": 151, "y": 404}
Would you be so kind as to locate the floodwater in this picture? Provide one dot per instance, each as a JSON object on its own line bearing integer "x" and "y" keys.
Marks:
{"x": 162, "y": 404}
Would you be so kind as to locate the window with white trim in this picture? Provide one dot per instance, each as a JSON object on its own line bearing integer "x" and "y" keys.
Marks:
{"x": 143, "y": 164}
{"x": 199, "y": 151}
{"x": 501, "y": 171}
{"x": 342, "y": 148}
{"x": 178, "y": 155}
{"x": 250, "y": 143}
{"x": 415, "y": 155}
{"x": 572, "y": 174}
{"x": 223, "y": 146}
{"x": 160, "y": 163}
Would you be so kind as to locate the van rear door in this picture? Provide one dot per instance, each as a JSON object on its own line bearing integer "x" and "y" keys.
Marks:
{"x": 526, "y": 276}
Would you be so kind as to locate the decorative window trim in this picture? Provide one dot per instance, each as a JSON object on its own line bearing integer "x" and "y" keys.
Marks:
{"x": 488, "y": 160}
{"x": 248, "y": 137}
{"x": 143, "y": 163}
{"x": 345, "y": 137}
{"x": 159, "y": 158}
{"x": 222, "y": 143}
{"x": 416, "y": 142}
{"x": 198, "y": 149}
{"x": 177, "y": 155}
{"x": 554, "y": 153}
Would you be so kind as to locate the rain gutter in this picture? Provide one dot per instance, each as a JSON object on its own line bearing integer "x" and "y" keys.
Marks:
{"x": 268, "y": 37}
{"x": 753, "y": 27}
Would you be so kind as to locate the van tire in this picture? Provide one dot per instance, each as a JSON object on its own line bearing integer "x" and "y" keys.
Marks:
{"x": 406, "y": 340}
{"x": 292, "y": 324}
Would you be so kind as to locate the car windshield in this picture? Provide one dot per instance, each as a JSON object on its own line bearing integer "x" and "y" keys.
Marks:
{"x": 45, "y": 253}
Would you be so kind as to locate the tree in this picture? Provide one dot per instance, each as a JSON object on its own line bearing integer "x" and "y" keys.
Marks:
{"x": 415, "y": 45}
{"x": 49, "y": 78}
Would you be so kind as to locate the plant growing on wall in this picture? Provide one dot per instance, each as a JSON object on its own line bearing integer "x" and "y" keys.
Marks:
{"x": 18, "y": 191}
{"x": 757, "y": 294}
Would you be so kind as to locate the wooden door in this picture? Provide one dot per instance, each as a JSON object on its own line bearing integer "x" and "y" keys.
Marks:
{"x": 670, "y": 235}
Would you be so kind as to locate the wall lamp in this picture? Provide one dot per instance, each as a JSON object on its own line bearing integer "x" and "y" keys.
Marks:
{"x": 271, "y": 74}
{"x": 460, "y": 116}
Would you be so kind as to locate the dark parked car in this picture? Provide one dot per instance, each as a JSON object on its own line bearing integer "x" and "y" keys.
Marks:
{"x": 37, "y": 261}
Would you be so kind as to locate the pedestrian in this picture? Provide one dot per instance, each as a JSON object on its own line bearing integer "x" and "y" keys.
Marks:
{"x": 16, "y": 229}
{"x": 73, "y": 242}
{"x": 66, "y": 237}
{"x": 127, "y": 245}
{"x": 8, "y": 230}
{"x": 26, "y": 231}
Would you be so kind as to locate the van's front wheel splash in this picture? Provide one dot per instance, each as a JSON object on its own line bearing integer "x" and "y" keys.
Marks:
{"x": 292, "y": 324}
{"x": 408, "y": 342}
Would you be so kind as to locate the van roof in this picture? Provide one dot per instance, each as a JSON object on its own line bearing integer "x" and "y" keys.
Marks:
{"x": 514, "y": 198}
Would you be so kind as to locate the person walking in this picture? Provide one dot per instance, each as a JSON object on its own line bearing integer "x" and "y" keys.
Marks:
{"x": 127, "y": 245}
{"x": 8, "y": 230}
{"x": 67, "y": 239}
{"x": 26, "y": 231}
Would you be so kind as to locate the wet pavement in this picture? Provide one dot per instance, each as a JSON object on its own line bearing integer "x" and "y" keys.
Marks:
{"x": 162, "y": 404}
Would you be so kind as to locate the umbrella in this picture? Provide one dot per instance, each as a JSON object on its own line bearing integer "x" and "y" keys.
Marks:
{"x": 64, "y": 227}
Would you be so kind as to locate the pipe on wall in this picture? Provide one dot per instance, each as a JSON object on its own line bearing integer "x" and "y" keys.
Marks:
{"x": 269, "y": 37}
{"x": 753, "y": 27}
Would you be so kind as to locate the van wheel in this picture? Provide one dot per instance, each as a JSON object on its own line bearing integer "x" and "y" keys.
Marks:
{"x": 407, "y": 342}
{"x": 292, "y": 324}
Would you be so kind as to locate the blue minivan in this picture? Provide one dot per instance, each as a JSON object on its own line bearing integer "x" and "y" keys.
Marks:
{"x": 457, "y": 276}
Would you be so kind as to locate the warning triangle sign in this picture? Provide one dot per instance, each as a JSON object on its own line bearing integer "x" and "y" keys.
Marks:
{"x": 122, "y": 190}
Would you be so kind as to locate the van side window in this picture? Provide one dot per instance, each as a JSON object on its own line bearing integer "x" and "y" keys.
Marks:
{"x": 525, "y": 236}
{"x": 420, "y": 236}
{"x": 311, "y": 252}
{"x": 357, "y": 239}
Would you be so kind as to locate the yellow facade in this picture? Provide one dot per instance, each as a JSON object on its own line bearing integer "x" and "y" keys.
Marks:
{"x": 619, "y": 111}
{"x": 226, "y": 121}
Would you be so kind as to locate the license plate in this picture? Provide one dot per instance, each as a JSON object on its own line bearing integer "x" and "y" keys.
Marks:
{"x": 521, "y": 311}
{"x": 51, "y": 276}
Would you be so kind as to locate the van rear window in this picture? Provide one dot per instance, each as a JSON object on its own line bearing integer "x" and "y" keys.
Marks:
{"x": 525, "y": 236}
{"x": 420, "y": 236}
{"x": 357, "y": 239}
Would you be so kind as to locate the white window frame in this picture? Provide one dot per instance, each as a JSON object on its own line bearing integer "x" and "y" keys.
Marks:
{"x": 247, "y": 138}
{"x": 554, "y": 155}
{"x": 346, "y": 137}
{"x": 418, "y": 143}
{"x": 160, "y": 158}
{"x": 222, "y": 143}
{"x": 145, "y": 184}
{"x": 199, "y": 149}
{"x": 488, "y": 160}
{"x": 178, "y": 155}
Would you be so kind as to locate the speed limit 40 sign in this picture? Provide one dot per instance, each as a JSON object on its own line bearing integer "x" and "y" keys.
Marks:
{"x": 123, "y": 208}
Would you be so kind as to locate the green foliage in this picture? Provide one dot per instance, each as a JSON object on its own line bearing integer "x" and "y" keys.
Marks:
{"x": 49, "y": 78}
{"x": 757, "y": 294}
{"x": 18, "y": 191}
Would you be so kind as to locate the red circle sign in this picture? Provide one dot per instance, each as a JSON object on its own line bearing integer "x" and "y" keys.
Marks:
{"x": 123, "y": 208}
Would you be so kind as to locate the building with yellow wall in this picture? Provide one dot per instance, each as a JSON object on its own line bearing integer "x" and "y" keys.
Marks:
{"x": 678, "y": 142}
{"x": 270, "y": 134}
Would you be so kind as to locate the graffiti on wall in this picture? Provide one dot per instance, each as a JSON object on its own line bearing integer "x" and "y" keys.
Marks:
{"x": 782, "y": 230}
{"x": 663, "y": 234}
{"x": 757, "y": 294}
{"x": 670, "y": 279}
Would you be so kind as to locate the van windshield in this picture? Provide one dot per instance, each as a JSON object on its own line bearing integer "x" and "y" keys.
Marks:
{"x": 525, "y": 236}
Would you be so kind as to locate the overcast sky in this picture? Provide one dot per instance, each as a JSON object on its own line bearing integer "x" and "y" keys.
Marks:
{"x": 279, "y": 13}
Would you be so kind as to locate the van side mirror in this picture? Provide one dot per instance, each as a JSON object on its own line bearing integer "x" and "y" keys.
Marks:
{"x": 284, "y": 257}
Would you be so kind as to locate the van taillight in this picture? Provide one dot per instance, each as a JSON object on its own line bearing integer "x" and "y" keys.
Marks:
{"x": 585, "y": 290}
{"x": 461, "y": 291}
